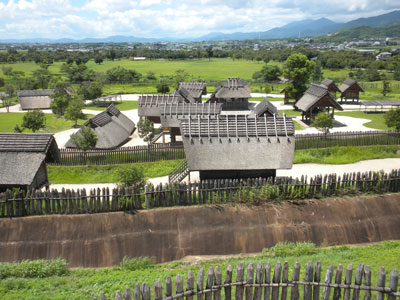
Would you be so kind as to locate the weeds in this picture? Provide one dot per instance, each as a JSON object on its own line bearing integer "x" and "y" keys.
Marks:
{"x": 34, "y": 268}
{"x": 136, "y": 263}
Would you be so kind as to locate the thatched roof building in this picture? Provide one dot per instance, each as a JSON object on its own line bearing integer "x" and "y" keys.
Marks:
{"x": 315, "y": 99}
{"x": 264, "y": 107}
{"x": 233, "y": 93}
{"x": 148, "y": 105}
{"x": 112, "y": 127}
{"x": 192, "y": 91}
{"x": 330, "y": 84}
{"x": 234, "y": 146}
{"x": 23, "y": 159}
{"x": 35, "y": 99}
{"x": 350, "y": 90}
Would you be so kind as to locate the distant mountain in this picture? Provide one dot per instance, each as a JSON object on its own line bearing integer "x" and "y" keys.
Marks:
{"x": 363, "y": 32}
{"x": 378, "y": 21}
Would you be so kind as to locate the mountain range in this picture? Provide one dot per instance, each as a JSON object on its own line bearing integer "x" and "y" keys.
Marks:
{"x": 302, "y": 28}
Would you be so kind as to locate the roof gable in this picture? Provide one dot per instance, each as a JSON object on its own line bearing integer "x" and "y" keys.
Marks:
{"x": 313, "y": 95}
{"x": 348, "y": 83}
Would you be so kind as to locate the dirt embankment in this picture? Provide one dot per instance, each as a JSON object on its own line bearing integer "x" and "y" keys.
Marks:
{"x": 171, "y": 233}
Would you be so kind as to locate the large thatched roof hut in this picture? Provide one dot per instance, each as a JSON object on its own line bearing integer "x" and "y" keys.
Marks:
{"x": 315, "y": 99}
{"x": 192, "y": 91}
{"x": 233, "y": 146}
{"x": 112, "y": 127}
{"x": 35, "y": 99}
{"x": 23, "y": 159}
{"x": 233, "y": 93}
{"x": 148, "y": 105}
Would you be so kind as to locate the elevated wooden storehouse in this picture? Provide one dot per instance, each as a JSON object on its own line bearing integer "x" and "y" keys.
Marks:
{"x": 192, "y": 91}
{"x": 234, "y": 94}
{"x": 332, "y": 87}
{"x": 315, "y": 99}
{"x": 350, "y": 90}
{"x": 233, "y": 146}
{"x": 264, "y": 108}
{"x": 112, "y": 127}
{"x": 35, "y": 99}
{"x": 148, "y": 105}
{"x": 23, "y": 159}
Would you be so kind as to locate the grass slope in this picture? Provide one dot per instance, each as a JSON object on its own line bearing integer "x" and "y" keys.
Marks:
{"x": 53, "y": 125}
{"x": 106, "y": 173}
{"x": 87, "y": 283}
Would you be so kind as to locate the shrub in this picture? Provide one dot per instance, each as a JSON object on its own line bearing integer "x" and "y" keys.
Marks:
{"x": 136, "y": 263}
{"x": 291, "y": 249}
{"x": 129, "y": 175}
{"x": 34, "y": 268}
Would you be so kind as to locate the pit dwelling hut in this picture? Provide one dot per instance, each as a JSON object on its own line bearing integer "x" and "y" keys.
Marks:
{"x": 332, "y": 87}
{"x": 234, "y": 94}
{"x": 148, "y": 105}
{"x": 232, "y": 146}
{"x": 35, "y": 99}
{"x": 350, "y": 90}
{"x": 192, "y": 91}
{"x": 315, "y": 99}
{"x": 23, "y": 158}
{"x": 112, "y": 127}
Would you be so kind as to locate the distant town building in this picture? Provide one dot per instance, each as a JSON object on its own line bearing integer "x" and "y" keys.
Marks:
{"x": 384, "y": 56}
{"x": 139, "y": 58}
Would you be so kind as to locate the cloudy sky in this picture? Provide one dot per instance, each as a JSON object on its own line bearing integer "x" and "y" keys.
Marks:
{"x": 169, "y": 18}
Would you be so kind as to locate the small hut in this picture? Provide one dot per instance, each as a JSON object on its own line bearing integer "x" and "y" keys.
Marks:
{"x": 332, "y": 87}
{"x": 112, "y": 127}
{"x": 286, "y": 96}
{"x": 234, "y": 94}
{"x": 350, "y": 90}
{"x": 148, "y": 105}
{"x": 35, "y": 99}
{"x": 264, "y": 108}
{"x": 232, "y": 146}
{"x": 23, "y": 159}
{"x": 315, "y": 99}
{"x": 192, "y": 91}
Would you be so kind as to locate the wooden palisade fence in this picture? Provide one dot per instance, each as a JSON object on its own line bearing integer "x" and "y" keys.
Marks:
{"x": 267, "y": 284}
{"x": 156, "y": 152}
{"x": 199, "y": 193}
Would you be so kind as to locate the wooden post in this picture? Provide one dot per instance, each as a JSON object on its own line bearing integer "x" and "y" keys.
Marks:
{"x": 285, "y": 279}
{"x": 228, "y": 279}
{"x": 118, "y": 295}
{"x": 157, "y": 290}
{"x": 239, "y": 279}
{"x": 190, "y": 284}
{"x": 393, "y": 282}
{"x": 218, "y": 281}
{"x": 381, "y": 283}
{"x": 294, "y": 293}
{"x": 146, "y": 196}
{"x": 367, "y": 282}
{"x": 338, "y": 280}
{"x": 127, "y": 295}
{"x": 328, "y": 279}
{"x": 209, "y": 283}
{"x": 267, "y": 290}
{"x": 249, "y": 279}
{"x": 276, "y": 279}
{"x": 317, "y": 278}
{"x": 168, "y": 286}
{"x": 179, "y": 285}
{"x": 259, "y": 280}
{"x": 145, "y": 291}
{"x": 358, "y": 280}
{"x": 347, "y": 281}
{"x": 136, "y": 292}
{"x": 200, "y": 280}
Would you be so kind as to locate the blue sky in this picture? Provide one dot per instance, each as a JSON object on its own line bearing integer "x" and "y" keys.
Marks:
{"x": 169, "y": 18}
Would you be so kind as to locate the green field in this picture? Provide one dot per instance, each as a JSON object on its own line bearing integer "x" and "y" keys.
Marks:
{"x": 87, "y": 283}
{"x": 377, "y": 120}
{"x": 53, "y": 124}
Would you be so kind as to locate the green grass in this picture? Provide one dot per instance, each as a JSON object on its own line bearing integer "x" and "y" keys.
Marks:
{"x": 377, "y": 120}
{"x": 87, "y": 283}
{"x": 53, "y": 124}
{"x": 106, "y": 173}
{"x": 125, "y": 105}
{"x": 344, "y": 155}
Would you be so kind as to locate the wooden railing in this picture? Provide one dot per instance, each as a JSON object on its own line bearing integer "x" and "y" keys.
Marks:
{"x": 180, "y": 171}
{"x": 264, "y": 283}
{"x": 253, "y": 190}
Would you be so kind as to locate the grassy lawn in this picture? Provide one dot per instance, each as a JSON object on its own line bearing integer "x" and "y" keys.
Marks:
{"x": 125, "y": 105}
{"x": 377, "y": 119}
{"x": 344, "y": 155}
{"x": 53, "y": 124}
{"x": 86, "y": 283}
{"x": 106, "y": 173}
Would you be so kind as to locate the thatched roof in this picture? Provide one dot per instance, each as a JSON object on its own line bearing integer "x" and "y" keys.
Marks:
{"x": 112, "y": 127}
{"x": 30, "y": 143}
{"x": 196, "y": 89}
{"x": 265, "y": 107}
{"x": 155, "y": 100}
{"x": 194, "y": 109}
{"x": 233, "y": 88}
{"x": 329, "y": 83}
{"x": 349, "y": 83}
{"x": 35, "y": 99}
{"x": 186, "y": 94}
{"x": 313, "y": 95}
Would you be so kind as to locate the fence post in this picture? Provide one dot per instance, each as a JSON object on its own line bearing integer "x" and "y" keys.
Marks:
{"x": 239, "y": 279}
{"x": 228, "y": 279}
{"x": 259, "y": 280}
{"x": 276, "y": 279}
{"x": 308, "y": 278}
{"x": 179, "y": 285}
{"x": 157, "y": 290}
{"x": 200, "y": 283}
{"x": 190, "y": 284}
{"x": 218, "y": 282}
{"x": 328, "y": 279}
{"x": 317, "y": 278}
{"x": 249, "y": 279}
{"x": 367, "y": 282}
{"x": 209, "y": 283}
{"x": 358, "y": 280}
{"x": 267, "y": 290}
{"x": 285, "y": 278}
{"x": 118, "y": 295}
{"x": 127, "y": 295}
{"x": 145, "y": 290}
{"x": 136, "y": 292}
{"x": 347, "y": 281}
{"x": 294, "y": 292}
{"x": 381, "y": 283}
{"x": 146, "y": 196}
{"x": 338, "y": 280}
{"x": 393, "y": 282}
{"x": 168, "y": 286}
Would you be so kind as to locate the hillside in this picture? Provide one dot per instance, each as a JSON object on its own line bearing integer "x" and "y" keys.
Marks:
{"x": 363, "y": 32}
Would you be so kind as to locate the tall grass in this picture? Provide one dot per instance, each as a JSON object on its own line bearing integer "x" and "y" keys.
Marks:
{"x": 33, "y": 268}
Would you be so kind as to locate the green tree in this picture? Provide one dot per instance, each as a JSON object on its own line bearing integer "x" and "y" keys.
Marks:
{"x": 162, "y": 88}
{"x": 270, "y": 72}
{"x": 150, "y": 75}
{"x": 92, "y": 91}
{"x": 180, "y": 76}
{"x": 2, "y": 82}
{"x": 98, "y": 60}
{"x": 323, "y": 122}
{"x": 34, "y": 120}
{"x": 120, "y": 74}
{"x": 7, "y": 101}
{"x": 61, "y": 99}
{"x": 317, "y": 74}
{"x": 84, "y": 139}
{"x": 146, "y": 130}
{"x": 209, "y": 52}
{"x": 372, "y": 74}
{"x": 396, "y": 74}
{"x": 386, "y": 89}
{"x": 130, "y": 175}
{"x": 74, "y": 110}
{"x": 392, "y": 118}
{"x": 297, "y": 69}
